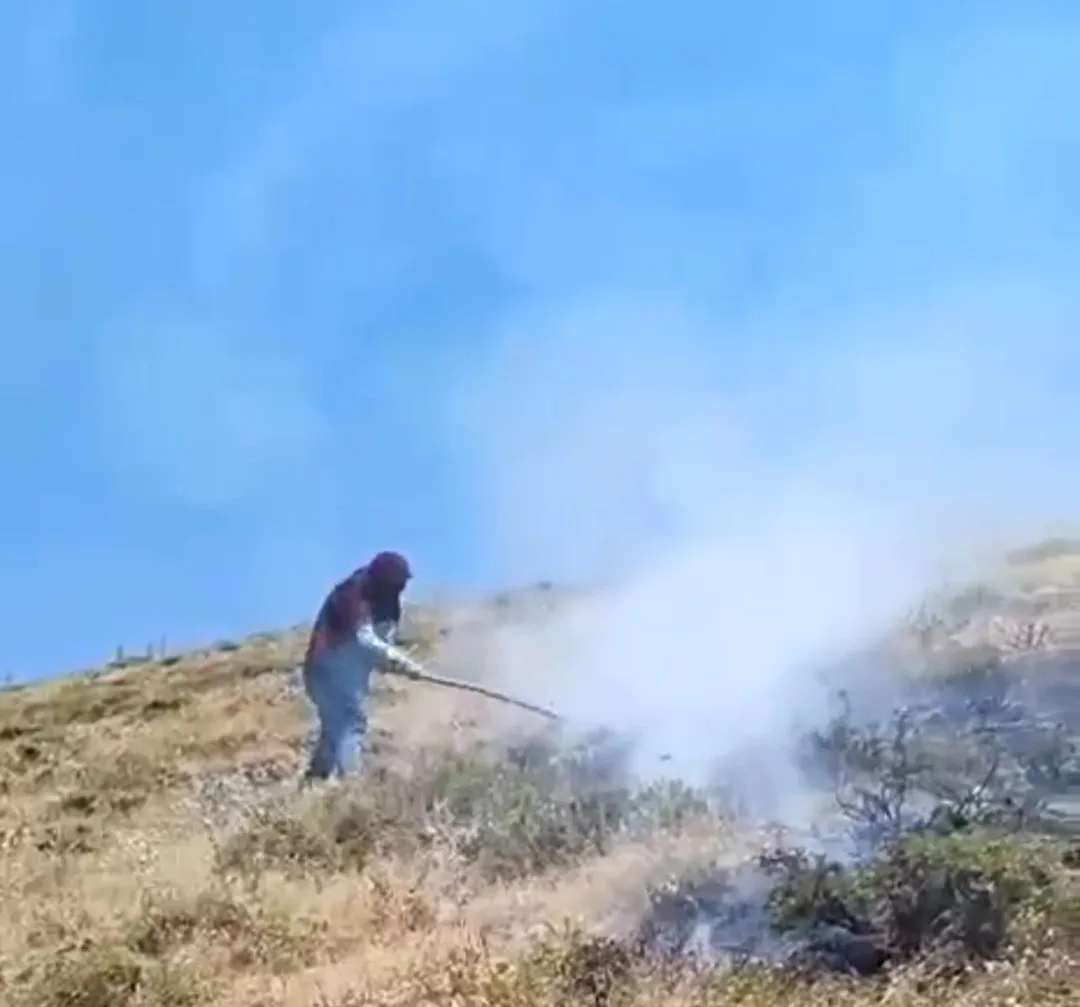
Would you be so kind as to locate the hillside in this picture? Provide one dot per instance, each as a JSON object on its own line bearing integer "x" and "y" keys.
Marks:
{"x": 155, "y": 851}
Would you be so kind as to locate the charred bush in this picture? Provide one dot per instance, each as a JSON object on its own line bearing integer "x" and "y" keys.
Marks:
{"x": 942, "y": 804}
{"x": 953, "y": 898}
{"x": 956, "y": 756}
{"x": 710, "y": 913}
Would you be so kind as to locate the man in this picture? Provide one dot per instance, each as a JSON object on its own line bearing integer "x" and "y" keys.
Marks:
{"x": 353, "y": 634}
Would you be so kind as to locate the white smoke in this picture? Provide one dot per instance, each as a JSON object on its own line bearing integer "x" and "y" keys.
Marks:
{"x": 730, "y": 565}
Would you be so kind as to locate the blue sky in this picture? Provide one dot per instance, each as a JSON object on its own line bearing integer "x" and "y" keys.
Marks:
{"x": 284, "y": 284}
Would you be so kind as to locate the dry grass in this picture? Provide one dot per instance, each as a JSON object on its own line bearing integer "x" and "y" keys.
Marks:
{"x": 128, "y": 878}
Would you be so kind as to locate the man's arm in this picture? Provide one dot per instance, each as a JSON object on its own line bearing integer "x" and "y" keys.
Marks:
{"x": 396, "y": 660}
{"x": 350, "y": 606}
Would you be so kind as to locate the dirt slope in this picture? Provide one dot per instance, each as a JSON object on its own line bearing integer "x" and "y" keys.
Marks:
{"x": 124, "y": 792}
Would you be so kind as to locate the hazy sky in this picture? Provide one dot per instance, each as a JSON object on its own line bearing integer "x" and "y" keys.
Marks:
{"x": 496, "y": 283}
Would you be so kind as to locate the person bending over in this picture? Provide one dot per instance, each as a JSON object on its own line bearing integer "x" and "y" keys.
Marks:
{"x": 354, "y": 633}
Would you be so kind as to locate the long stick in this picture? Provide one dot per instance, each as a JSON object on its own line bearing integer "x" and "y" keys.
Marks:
{"x": 453, "y": 683}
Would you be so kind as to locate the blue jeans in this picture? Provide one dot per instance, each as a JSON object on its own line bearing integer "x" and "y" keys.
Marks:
{"x": 337, "y": 685}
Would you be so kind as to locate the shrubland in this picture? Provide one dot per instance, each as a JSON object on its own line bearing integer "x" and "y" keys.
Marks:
{"x": 158, "y": 852}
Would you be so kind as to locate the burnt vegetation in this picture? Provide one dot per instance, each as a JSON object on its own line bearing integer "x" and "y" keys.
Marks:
{"x": 954, "y": 846}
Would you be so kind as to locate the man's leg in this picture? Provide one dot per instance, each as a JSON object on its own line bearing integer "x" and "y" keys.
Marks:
{"x": 341, "y": 681}
{"x": 349, "y": 737}
{"x": 317, "y": 685}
